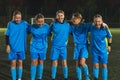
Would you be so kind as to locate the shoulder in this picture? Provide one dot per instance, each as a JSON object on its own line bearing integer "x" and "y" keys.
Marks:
{"x": 65, "y": 22}
{"x": 11, "y": 22}
{"x": 24, "y": 22}
{"x": 45, "y": 24}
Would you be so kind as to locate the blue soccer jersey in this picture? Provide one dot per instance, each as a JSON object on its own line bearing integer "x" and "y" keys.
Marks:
{"x": 39, "y": 37}
{"x": 99, "y": 40}
{"x": 80, "y": 33}
{"x": 17, "y": 35}
{"x": 60, "y": 32}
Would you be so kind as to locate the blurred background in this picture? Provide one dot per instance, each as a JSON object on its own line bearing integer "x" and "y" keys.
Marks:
{"x": 109, "y": 9}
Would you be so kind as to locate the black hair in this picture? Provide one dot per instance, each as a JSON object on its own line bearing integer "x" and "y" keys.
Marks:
{"x": 98, "y": 16}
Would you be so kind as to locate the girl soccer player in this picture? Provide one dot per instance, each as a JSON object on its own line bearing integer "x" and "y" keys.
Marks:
{"x": 98, "y": 47}
{"x": 79, "y": 32}
{"x": 60, "y": 30}
{"x": 16, "y": 43}
{"x": 38, "y": 46}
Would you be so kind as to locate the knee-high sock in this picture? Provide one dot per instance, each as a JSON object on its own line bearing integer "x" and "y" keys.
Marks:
{"x": 104, "y": 73}
{"x": 96, "y": 73}
{"x": 54, "y": 70}
{"x": 20, "y": 73}
{"x": 65, "y": 72}
{"x": 13, "y": 73}
{"x": 33, "y": 72}
{"x": 79, "y": 73}
{"x": 40, "y": 71}
{"x": 85, "y": 69}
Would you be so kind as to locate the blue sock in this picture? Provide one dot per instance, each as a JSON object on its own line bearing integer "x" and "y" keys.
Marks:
{"x": 40, "y": 71}
{"x": 54, "y": 70}
{"x": 104, "y": 73}
{"x": 13, "y": 73}
{"x": 20, "y": 73}
{"x": 85, "y": 69}
{"x": 79, "y": 73}
{"x": 96, "y": 73}
{"x": 33, "y": 72}
{"x": 65, "y": 72}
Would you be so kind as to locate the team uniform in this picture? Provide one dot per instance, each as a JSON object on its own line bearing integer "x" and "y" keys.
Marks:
{"x": 17, "y": 41}
{"x": 98, "y": 47}
{"x": 80, "y": 35}
{"x": 60, "y": 32}
{"x": 38, "y": 46}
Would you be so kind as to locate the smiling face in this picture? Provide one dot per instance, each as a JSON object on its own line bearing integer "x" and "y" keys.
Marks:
{"x": 98, "y": 21}
{"x": 17, "y": 18}
{"x": 60, "y": 17}
{"x": 40, "y": 21}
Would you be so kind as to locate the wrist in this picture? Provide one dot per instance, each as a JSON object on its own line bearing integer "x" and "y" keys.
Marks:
{"x": 109, "y": 44}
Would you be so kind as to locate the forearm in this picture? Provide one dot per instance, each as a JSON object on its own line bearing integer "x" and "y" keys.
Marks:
{"x": 7, "y": 40}
{"x": 110, "y": 42}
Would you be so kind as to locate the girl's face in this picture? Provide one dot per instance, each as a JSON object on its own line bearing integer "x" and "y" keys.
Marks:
{"x": 17, "y": 18}
{"x": 40, "y": 21}
{"x": 60, "y": 17}
{"x": 98, "y": 22}
{"x": 76, "y": 20}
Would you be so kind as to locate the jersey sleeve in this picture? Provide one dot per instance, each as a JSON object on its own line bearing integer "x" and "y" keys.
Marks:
{"x": 29, "y": 29}
{"x": 109, "y": 35}
{"x": 88, "y": 26}
{"x": 70, "y": 29}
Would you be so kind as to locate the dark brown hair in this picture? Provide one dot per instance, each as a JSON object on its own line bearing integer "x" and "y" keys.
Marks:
{"x": 77, "y": 14}
{"x": 98, "y": 16}
{"x": 39, "y": 15}
{"x": 60, "y": 11}
{"x": 16, "y": 12}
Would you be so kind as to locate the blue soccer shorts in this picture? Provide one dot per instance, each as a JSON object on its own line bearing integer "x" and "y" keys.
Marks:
{"x": 38, "y": 53}
{"x": 58, "y": 52}
{"x": 98, "y": 57}
{"x": 80, "y": 51}
{"x": 16, "y": 55}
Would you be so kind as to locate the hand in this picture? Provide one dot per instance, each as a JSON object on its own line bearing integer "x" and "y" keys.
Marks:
{"x": 105, "y": 25}
{"x": 7, "y": 49}
{"x": 109, "y": 48}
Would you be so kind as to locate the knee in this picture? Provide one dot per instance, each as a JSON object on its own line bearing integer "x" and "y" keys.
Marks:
{"x": 34, "y": 62}
{"x": 96, "y": 65}
{"x": 104, "y": 65}
{"x": 20, "y": 63}
{"x": 55, "y": 63}
{"x": 82, "y": 63}
{"x": 41, "y": 62}
{"x": 13, "y": 64}
{"x": 64, "y": 63}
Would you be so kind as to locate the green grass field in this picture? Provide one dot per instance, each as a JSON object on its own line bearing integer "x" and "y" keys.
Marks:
{"x": 113, "y": 65}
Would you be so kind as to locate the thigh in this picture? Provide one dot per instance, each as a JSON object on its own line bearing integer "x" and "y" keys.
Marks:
{"x": 95, "y": 58}
{"x": 42, "y": 54}
{"x": 54, "y": 55}
{"x": 83, "y": 52}
{"x": 34, "y": 55}
{"x": 21, "y": 55}
{"x": 63, "y": 53}
{"x": 12, "y": 56}
{"x": 76, "y": 53}
{"x": 104, "y": 58}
